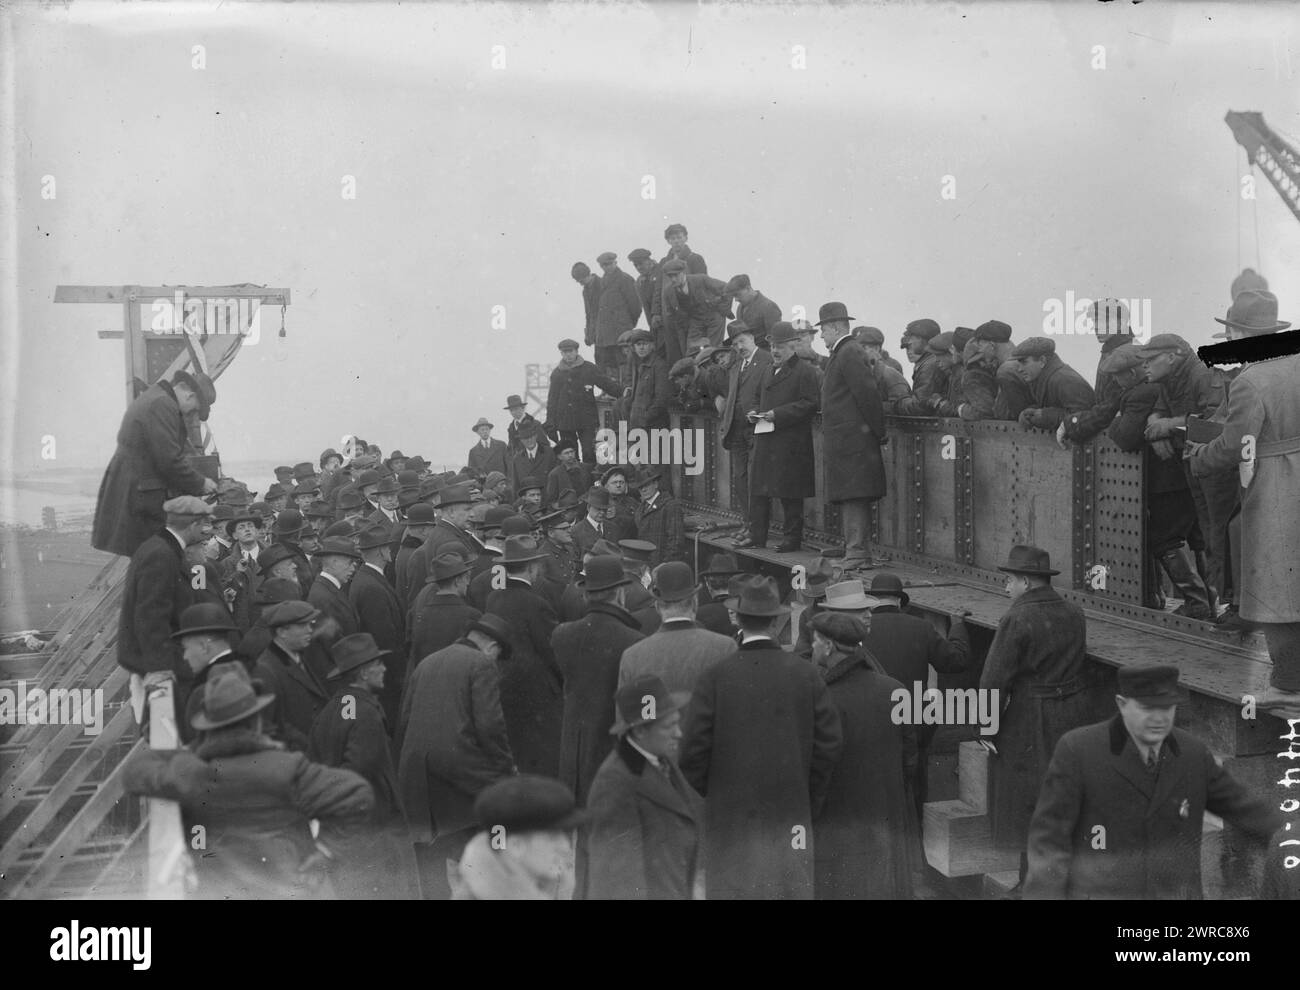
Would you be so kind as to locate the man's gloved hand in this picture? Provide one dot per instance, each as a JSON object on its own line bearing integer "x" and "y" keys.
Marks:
{"x": 1028, "y": 418}
{"x": 1164, "y": 449}
{"x": 1060, "y": 437}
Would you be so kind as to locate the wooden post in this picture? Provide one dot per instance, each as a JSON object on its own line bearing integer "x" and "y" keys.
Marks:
{"x": 167, "y": 856}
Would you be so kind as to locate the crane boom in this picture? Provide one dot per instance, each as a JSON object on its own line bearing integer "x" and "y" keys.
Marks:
{"x": 1278, "y": 160}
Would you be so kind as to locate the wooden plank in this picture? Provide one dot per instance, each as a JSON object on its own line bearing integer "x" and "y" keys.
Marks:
{"x": 21, "y": 666}
{"x": 120, "y": 293}
{"x": 168, "y": 857}
{"x": 973, "y": 776}
{"x": 99, "y": 674}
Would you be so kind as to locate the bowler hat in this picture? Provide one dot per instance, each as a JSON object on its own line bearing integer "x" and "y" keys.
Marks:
{"x": 1034, "y": 347}
{"x": 482, "y": 421}
{"x": 602, "y": 573}
{"x": 889, "y": 584}
{"x": 288, "y": 613}
{"x": 1028, "y": 560}
{"x": 846, "y": 630}
{"x": 205, "y": 617}
{"x": 389, "y": 486}
{"x": 229, "y": 696}
{"x": 271, "y": 556}
{"x": 848, "y": 596}
{"x": 516, "y": 525}
{"x": 354, "y": 651}
{"x": 368, "y": 477}
{"x": 513, "y": 402}
{"x": 994, "y": 330}
{"x": 521, "y": 549}
{"x": 673, "y": 582}
{"x": 496, "y": 515}
{"x": 924, "y": 328}
{"x": 528, "y": 484}
{"x": 408, "y": 479}
{"x": 721, "y": 565}
{"x": 1253, "y": 311}
{"x": 527, "y": 803}
{"x": 833, "y": 312}
{"x": 736, "y": 283}
{"x": 349, "y": 500}
{"x": 421, "y": 514}
{"x": 304, "y": 470}
{"x": 187, "y": 505}
{"x": 248, "y": 517}
{"x": 759, "y": 598}
{"x": 1153, "y": 684}
{"x": 287, "y": 523}
{"x": 642, "y": 701}
{"x": 334, "y": 546}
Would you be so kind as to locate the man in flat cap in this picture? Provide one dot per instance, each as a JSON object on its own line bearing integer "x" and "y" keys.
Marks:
{"x": 744, "y": 388}
{"x": 285, "y": 668}
{"x": 649, "y": 289}
{"x": 938, "y": 370}
{"x": 651, "y": 389}
{"x": 753, "y": 308}
{"x": 690, "y": 386}
{"x": 696, "y": 310}
{"x": 647, "y": 830}
{"x": 988, "y": 351}
{"x": 619, "y": 310}
{"x": 568, "y": 474}
{"x": 916, "y": 345}
{"x": 582, "y": 274}
{"x": 1144, "y": 787}
{"x": 1055, "y": 389}
{"x": 487, "y": 454}
{"x": 150, "y": 463}
{"x": 571, "y": 400}
{"x": 1110, "y": 324}
{"x": 872, "y": 341}
{"x": 955, "y": 344}
{"x": 676, "y": 234}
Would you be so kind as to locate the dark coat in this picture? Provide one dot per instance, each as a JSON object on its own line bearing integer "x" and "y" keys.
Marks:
{"x": 401, "y": 564}
{"x": 759, "y": 314}
{"x": 437, "y": 621}
{"x": 649, "y": 289}
{"x": 1151, "y": 822}
{"x": 155, "y": 592}
{"x": 652, "y": 390}
{"x": 495, "y": 458}
{"x": 1058, "y": 391}
{"x": 743, "y": 393}
{"x": 662, "y": 524}
{"x": 512, "y": 432}
{"x": 571, "y": 399}
{"x": 590, "y": 308}
{"x": 890, "y": 383}
{"x": 927, "y": 378}
{"x": 588, "y": 652}
{"x": 1036, "y": 663}
{"x": 701, "y": 313}
{"x": 853, "y": 426}
{"x": 619, "y": 309}
{"x": 381, "y": 614}
{"x": 299, "y": 692}
{"x": 783, "y": 465}
{"x": 302, "y": 567}
{"x": 678, "y": 653}
{"x": 867, "y": 830}
{"x": 443, "y": 538}
{"x": 532, "y": 694}
{"x": 646, "y": 834}
{"x": 538, "y": 466}
{"x": 254, "y": 804}
{"x": 907, "y": 646}
{"x": 979, "y": 390}
{"x": 148, "y": 466}
{"x": 762, "y": 738}
{"x": 695, "y": 263}
{"x": 335, "y": 604}
{"x": 714, "y": 617}
{"x": 451, "y": 738}
{"x": 560, "y": 479}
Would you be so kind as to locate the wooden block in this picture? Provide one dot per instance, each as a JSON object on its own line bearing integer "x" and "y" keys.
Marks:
{"x": 1001, "y": 883}
{"x": 973, "y": 776}
{"x": 957, "y": 842}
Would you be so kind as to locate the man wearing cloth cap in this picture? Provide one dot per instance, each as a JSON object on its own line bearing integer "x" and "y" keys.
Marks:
{"x": 525, "y": 851}
{"x": 157, "y": 588}
{"x": 853, "y": 428}
{"x": 955, "y": 343}
{"x": 988, "y": 350}
{"x": 651, "y": 389}
{"x": 783, "y": 466}
{"x": 872, "y": 341}
{"x": 647, "y": 828}
{"x": 696, "y": 309}
{"x": 650, "y": 290}
{"x": 283, "y": 667}
{"x": 676, "y": 234}
{"x": 916, "y": 345}
{"x": 691, "y": 386}
{"x": 571, "y": 400}
{"x": 1036, "y": 664}
{"x": 753, "y": 308}
{"x": 1263, "y": 412}
{"x": 1145, "y": 787}
{"x": 380, "y": 614}
{"x": 618, "y": 311}
{"x": 762, "y": 738}
{"x": 1055, "y": 389}
{"x": 487, "y": 454}
{"x": 890, "y": 381}
{"x": 1110, "y": 324}
{"x": 150, "y": 463}
{"x": 937, "y": 370}
{"x": 252, "y": 802}
{"x": 582, "y": 274}
{"x": 744, "y": 389}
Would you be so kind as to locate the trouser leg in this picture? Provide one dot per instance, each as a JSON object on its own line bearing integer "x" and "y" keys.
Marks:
{"x": 792, "y": 519}
{"x": 1283, "y": 639}
{"x": 740, "y": 452}
{"x": 760, "y": 516}
{"x": 1180, "y": 565}
{"x": 855, "y": 514}
{"x": 586, "y": 439}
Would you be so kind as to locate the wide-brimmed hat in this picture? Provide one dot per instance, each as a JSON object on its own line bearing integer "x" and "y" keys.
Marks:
{"x": 758, "y": 598}
{"x": 229, "y": 696}
{"x": 1153, "y": 684}
{"x": 374, "y": 537}
{"x": 848, "y": 596}
{"x": 602, "y": 573}
{"x": 521, "y": 549}
{"x": 721, "y": 565}
{"x": 201, "y": 385}
{"x": 445, "y": 567}
{"x": 354, "y": 651}
{"x": 1028, "y": 560}
{"x": 783, "y": 333}
{"x": 513, "y": 402}
{"x": 833, "y": 312}
{"x": 337, "y": 546}
{"x": 642, "y": 701}
{"x": 889, "y": 584}
{"x": 1253, "y": 311}
{"x": 527, "y": 803}
{"x": 673, "y": 582}
{"x": 204, "y": 618}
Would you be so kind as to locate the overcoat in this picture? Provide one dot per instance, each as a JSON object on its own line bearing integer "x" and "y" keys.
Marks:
{"x": 760, "y": 314}
{"x": 1097, "y": 785}
{"x": 677, "y": 653}
{"x": 437, "y": 621}
{"x": 661, "y": 523}
{"x": 1059, "y": 391}
{"x": 701, "y": 313}
{"x": 741, "y": 391}
{"x": 646, "y": 834}
{"x": 588, "y": 653}
{"x": 512, "y": 432}
{"x": 155, "y": 592}
{"x": 495, "y": 457}
{"x": 619, "y": 309}
{"x": 334, "y": 603}
{"x": 380, "y": 613}
{"x": 523, "y": 467}
{"x": 651, "y": 392}
{"x": 761, "y": 740}
{"x": 1036, "y": 663}
{"x": 532, "y": 695}
{"x": 853, "y": 426}
{"x": 783, "y": 465}
{"x": 571, "y": 400}
{"x": 443, "y": 538}
{"x": 148, "y": 466}
{"x": 299, "y": 696}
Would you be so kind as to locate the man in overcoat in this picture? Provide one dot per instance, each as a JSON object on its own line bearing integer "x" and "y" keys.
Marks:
{"x": 761, "y": 741}
{"x": 744, "y": 389}
{"x": 487, "y": 454}
{"x": 441, "y": 614}
{"x": 783, "y": 465}
{"x": 448, "y": 534}
{"x": 534, "y": 463}
{"x": 652, "y": 390}
{"x": 284, "y": 668}
{"x": 853, "y": 428}
{"x": 571, "y": 400}
{"x": 1055, "y": 389}
{"x": 149, "y": 465}
{"x": 380, "y": 614}
{"x": 659, "y": 519}
{"x": 618, "y": 311}
{"x": 339, "y": 560}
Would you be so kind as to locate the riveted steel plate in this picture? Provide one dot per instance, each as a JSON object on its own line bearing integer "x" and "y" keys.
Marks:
{"x": 1118, "y": 521}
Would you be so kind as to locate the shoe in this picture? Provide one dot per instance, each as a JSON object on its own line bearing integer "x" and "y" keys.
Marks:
{"x": 747, "y": 543}
{"x": 1231, "y": 621}
{"x": 790, "y": 546}
{"x": 1180, "y": 565}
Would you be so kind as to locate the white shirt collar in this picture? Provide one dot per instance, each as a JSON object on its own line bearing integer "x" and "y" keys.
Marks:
{"x": 378, "y": 570}
{"x": 650, "y": 757}
{"x": 754, "y": 637}
{"x": 332, "y": 579}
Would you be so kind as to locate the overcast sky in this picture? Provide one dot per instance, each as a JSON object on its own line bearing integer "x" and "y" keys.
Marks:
{"x": 478, "y": 186}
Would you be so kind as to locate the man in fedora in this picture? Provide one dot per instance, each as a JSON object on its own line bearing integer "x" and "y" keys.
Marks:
{"x": 848, "y": 598}
{"x": 206, "y": 636}
{"x": 487, "y": 454}
{"x": 535, "y": 461}
{"x": 853, "y": 428}
{"x": 762, "y": 738}
{"x": 380, "y": 613}
{"x": 339, "y": 560}
{"x": 571, "y": 399}
{"x": 351, "y": 731}
{"x": 1036, "y": 664}
{"x": 441, "y": 614}
{"x": 286, "y": 669}
{"x": 1263, "y": 413}
{"x": 711, "y": 613}
{"x": 387, "y": 499}
{"x": 238, "y": 570}
{"x": 420, "y": 520}
{"x": 519, "y": 418}
{"x": 157, "y": 589}
{"x": 591, "y": 528}
{"x": 452, "y": 742}
{"x": 782, "y": 465}
{"x": 646, "y": 837}
{"x": 449, "y": 533}
{"x": 1145, "y": 787}
{"x": 524, "y": 851}
{"x": 532, "y": 694}
{"x": 253, "y": 802}
{"x": 735, "y": 425}
{"x": 659, "y": 518}
{"x": 287, "y": 532}
{"x": 696, "y": 309}
{"x": 680, "y": 650}
{"x": 810, "y": 592}
{"x": 150, "y": 465}
{"x": 588, "y": 653}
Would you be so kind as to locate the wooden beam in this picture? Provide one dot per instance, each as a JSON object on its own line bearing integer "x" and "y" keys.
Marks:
{"x": 123, "y": 293}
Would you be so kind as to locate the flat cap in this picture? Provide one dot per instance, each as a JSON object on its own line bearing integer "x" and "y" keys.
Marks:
{"x": 605, "y": 257}
{"x": 925, "y": 329}
{"x": 839, "y": 627}
{"x": 994, "y": 330}
{"x": 640, "y": 254}
{"x": 960, "y": 337}
{"x": 187, "y": 505}
{"x": 737, "y": 282}
{"x": 288, "y": 612}
{"x": 568, "y": 344}
{"x": 1034, "y": 347}
{"x": 869, "y": 335}
{"x": 940, "y": 343}
{"x": 638, "y": 336}
{"x": 580, "y": 269}
{"x": 1119, "y": 360}
{"x": 527, "y": 803}
{"x": 1162, "y": 342}
{"x": 625, "y": 339}
{"x": 683, "y": 367}
{"x": 674, "y": 266}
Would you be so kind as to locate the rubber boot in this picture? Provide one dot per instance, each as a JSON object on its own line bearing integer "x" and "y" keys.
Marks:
{"x": 1180, "y": 566}
{"x": 1157, "y": 598}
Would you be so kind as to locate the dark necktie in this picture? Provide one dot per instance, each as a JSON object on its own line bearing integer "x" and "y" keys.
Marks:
{"x": 1151, "y": 761}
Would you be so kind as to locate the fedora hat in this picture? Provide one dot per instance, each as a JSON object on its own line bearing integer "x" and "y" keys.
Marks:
{"x": 848, "y": 596}
{"x": 1153, "y": 684}
{"x": 276, "y": 590}
{"x": 783, "y": 333}
{"x": 271, "y": 556}
{"x": 521, "y": 549}
{"x": 641, "y": 702}
{"x": 304, "y": 469}
{"x": 388, "y": 486}
{"x": 516, "y": 525}
{"x": 736, "y": 327}
{"x": 396, "y": 455}
{"x": 229, "y": 696}
{"x": 889, "y": 584}
{"x": 833, "y": 312}
{"x": 513, "y": 402}
{"x": 354, "y": 651}
{"x": 528, "y": 803}
{"x": 721, "y": 565}
{"x": 1253, "y": 311}
{"x": 374, "y": 537}
{"x": 204, "y": 618}
{"x": 673, "y": 582}
{"x": 246, "y": 516}
{"x": 201, "y": 385}
{"x": 416, "y": 463}
{"x": 597, "y": 498}
{"x": 445, "y": 567}
{"x": 337, "y": 546}
{"x": 602, "y": 573}
{"x": 319, "y": 510}
{"x": 275, "y": 490}
{"x": 758, "y": 598}
{"x": 344, "y": 528}
{"x": 482, "y": 421}
{"x": 455, "y": 495}
{"x": 1028, "y": 560}
{"x": 495, "y": 627}
{"x": 646, "y": 475}
{"x": 287, "y": 523}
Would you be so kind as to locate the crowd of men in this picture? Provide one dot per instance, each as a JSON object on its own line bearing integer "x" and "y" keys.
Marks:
{"x": 454, "y": 673}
